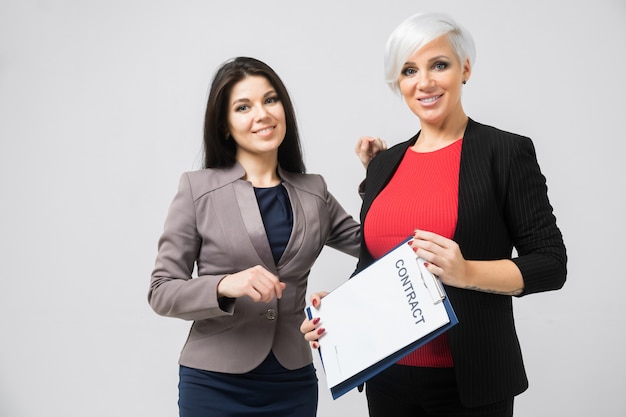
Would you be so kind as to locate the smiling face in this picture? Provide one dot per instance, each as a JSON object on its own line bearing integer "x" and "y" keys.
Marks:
{"x": 256, "y": 118}
{"x": 431, "y": 81}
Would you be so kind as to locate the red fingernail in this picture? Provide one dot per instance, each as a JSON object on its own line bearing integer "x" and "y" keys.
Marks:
{"x": 320, "y": 330}
{"x": 426, "y": 264}
{"x": 314, "y": 345}
{"x": 315, "y": 302}
{"x": 316, "y": 320}
{"x": 414, "y": 249}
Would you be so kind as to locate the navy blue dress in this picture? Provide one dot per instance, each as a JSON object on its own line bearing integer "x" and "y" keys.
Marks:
{"x": 270, "y": 390}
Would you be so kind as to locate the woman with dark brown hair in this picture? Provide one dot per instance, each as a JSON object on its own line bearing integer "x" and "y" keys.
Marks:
{"x": 251, "y": 223}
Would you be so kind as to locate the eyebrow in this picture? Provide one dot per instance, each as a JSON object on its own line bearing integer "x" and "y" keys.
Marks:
{"x": 433, "y": 59}
{"x": 247, "y": 100}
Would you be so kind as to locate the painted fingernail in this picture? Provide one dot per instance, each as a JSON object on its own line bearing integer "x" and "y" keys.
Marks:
{"x": 320, "y": 330}
{"x": 426, "y": 264}
{"x": 414, "y": 249}
{"x": 316, "y": 320}
{"x": 314, "y": 345}
{"x": 315, "y": 302}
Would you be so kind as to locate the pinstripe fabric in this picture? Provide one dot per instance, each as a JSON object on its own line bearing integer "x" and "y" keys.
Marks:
{"x": 503, "y": 203}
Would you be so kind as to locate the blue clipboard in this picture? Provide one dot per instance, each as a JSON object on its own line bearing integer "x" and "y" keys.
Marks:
{"x": 359, "y": 378}
{"x": 362, "y": 377}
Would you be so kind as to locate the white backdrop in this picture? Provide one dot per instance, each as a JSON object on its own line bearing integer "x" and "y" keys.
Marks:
{"x": 101, "y": 107}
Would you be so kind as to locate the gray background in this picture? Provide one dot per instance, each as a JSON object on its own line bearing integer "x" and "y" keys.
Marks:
{"x": 101, "y": 107}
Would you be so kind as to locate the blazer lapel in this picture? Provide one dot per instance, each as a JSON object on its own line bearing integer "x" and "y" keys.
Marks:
{"x": 298, "y": 230}
{"x": 253, "y": 222}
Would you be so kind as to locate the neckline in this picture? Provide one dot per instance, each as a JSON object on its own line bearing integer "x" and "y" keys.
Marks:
{"x": 272, "y": 187}
{"x": 456, "y": 142}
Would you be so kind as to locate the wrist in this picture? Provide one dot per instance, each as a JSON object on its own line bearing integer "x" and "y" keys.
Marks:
{"x": 219, "y": 288}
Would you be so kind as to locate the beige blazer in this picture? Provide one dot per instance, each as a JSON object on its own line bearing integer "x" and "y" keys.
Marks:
{"x": 214, "y": 224}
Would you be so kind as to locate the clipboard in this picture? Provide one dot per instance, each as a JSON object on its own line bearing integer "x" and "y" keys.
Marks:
{"x": 397, "y": 296}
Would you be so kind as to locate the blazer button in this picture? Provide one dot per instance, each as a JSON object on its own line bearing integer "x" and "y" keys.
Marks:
{"x": 271, "y": 314}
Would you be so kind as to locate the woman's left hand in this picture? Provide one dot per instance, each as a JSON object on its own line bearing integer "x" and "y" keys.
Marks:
{"x": 311, "y": 328}
{"x": 443, "y": 257}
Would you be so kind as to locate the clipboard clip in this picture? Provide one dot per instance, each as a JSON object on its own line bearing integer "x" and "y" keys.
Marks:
{"x": 431, "y": 282}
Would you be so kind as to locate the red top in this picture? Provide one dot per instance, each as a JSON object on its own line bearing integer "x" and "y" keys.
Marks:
{"x": 422, "y": 194}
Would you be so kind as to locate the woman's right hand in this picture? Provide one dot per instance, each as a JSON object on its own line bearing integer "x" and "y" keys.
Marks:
{"x": 311, "y": 328}
{"x": 367, "y": 147}
{"x": 256, "y": 282}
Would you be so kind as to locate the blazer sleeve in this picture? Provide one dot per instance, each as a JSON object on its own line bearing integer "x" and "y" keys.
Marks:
{"x": 541, "y": 252}
{"x": 173, "y": 292}
{"x": 345, "y": 232}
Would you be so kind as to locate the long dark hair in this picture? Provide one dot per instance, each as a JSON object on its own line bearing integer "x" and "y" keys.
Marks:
{"x": 220, "y": 152}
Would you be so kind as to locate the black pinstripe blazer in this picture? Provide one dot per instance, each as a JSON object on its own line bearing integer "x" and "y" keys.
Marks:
{"x": 503, "y": 203}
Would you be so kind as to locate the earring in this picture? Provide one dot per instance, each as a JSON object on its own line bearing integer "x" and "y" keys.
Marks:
{"x": 464, "y": 82}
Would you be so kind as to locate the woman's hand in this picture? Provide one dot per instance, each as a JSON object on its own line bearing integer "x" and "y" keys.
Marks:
{"x": 310, "y": 328}
{"x": 256, "y": 282}
{"x": 367, "y": 147}
{"x": 444, "y": 259}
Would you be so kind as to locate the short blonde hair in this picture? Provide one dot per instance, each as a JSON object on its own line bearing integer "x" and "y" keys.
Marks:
{"x": 415, "y": 32}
